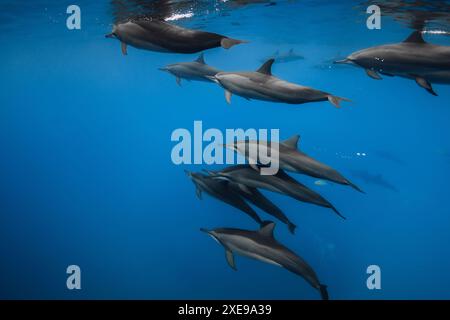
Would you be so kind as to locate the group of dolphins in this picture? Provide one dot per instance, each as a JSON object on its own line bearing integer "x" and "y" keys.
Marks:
{"x": 238, "y": 185}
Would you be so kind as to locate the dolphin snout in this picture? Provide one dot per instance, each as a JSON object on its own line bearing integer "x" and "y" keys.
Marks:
{"x": 163, "y": 69}
{"x": 343, "y": 61}
{"x": 188, "y": 173}
{"x": 212, "y": 78}
{"x": 204, "y": 230}
{"x": 110, "y": 35}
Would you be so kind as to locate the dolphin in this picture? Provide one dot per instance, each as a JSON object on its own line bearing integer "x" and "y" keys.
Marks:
{"x": 262, "y": 85}
{"x": 261, "y": 245}
{"x": 375, "y": 179}
{"x": 160, "y": 36}
{"x": 280, "y": 183}
{"x": 289, "y": 56}
{"x": 254, "y": 196}
{"x": 196, "y": 70}
{"x": 413, "y": 59}
{"x": 219, "y": 189}
{"x": 290, "y": 158}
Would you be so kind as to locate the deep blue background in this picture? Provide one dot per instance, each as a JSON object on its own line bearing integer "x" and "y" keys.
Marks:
{"x": 86, "y": 176}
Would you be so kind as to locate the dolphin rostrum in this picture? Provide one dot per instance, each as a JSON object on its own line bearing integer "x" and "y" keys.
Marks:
{"x": 158, "y": 35}
{"x": 290, "y": 158}
{"x": 196, "y": 70}
{"x": 219, "y": 189}
{"x": 279, "y": 183}
{"x": 261, "y": 245}
{"x": 262, "y": 85}
{"x": 413, "y": 58}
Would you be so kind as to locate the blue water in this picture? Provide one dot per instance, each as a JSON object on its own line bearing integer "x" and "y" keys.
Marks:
{"x": 86, "y": 176}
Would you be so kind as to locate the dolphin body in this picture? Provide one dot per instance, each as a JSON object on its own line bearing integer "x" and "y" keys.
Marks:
{"x": 279, "y": 183}
{"x": 375, "y": 179}
{"x": 254, "y": 196}
{"x": 262, "y": 85}
{"x": 413, "y": 58}
{"x": 220, "y": 190}
{"x": 196, "y": 70}
{"x": 160, "y": 36}
{"x": 286, "y": 57}
{"x": 290, "y": 158}
{"x": 261, "y": 245}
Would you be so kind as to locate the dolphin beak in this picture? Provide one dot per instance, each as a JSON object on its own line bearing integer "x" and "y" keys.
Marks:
{"x": 188, "y": 173}
{"x": 213, "y": 79}
{"x": 204, "y": 230}
{"x": 163, "y": 69}
{"x": 110, "y": 35}
{"x": 343, "y": 61}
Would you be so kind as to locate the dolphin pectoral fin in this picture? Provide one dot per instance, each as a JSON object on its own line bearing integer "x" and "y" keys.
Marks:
{"x": 335, "y": 101}
{"x": 426, "y": 85}
{"x": 124, "y": 48}
{"x": 373, "y": 74}
{"x": 228, "y": 95}
{"x": 178, "y": 79}
{"x": 230, "y": 259}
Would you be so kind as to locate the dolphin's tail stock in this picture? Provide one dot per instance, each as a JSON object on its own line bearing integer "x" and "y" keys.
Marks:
{"x": 324, "y": 292}
{"x": 354, "y": 186}
{"x": 335, "y": 101}
{"x": 337, "y": 212}
{"x": 227, "y": 43}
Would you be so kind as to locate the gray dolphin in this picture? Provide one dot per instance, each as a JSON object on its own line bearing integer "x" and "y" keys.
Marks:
{"x": 279, "y": 183}
{"x": 219, "y": 189}
{"x": 259, "y": 200}
{"x": 285, "y": 57}
{"x": 290, "y": 158}
{"x": 413, "y": 59}
{"x": 261, "y": 245}
{"x": 157, "y": 35}
{"x": 375, "y": 179}
{"x": 196, "y": 70}
{"x": 262, "y": 85}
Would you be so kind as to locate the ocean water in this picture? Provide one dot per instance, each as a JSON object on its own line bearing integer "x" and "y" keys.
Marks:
{"x": 86, "y": 175}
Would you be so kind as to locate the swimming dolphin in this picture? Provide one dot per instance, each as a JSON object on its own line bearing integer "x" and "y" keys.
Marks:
{"x": 413, "y": 59}
{"x": 196, "y": 70}
{"x": 289, "y": 56}
{"x": 292, "y": 159}
{"x": 375, "y": 179}
{"x": 259, "y": 200}
{"x": 219, "y": 189}
{"x": 261, "y": 245}
{"x": 262, "y": 85}
{"x": 157, "y": 35}
{"x": 280, "y": 183}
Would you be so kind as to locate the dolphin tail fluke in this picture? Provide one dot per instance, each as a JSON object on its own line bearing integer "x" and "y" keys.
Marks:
{"x": 324, "y": 292}
{"x": 291, "y": 227}
{"x": 335, "y": 101}
{"x": 227, "y": 43}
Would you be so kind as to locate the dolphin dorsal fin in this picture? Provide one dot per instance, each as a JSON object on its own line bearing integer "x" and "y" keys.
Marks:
{"x": 266, "y": 68}
{"x": 267, "y": 229}
{"x": 292, "y": 142}
{"x": 415, "y": 37}
{"x": 200, "y": 59}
